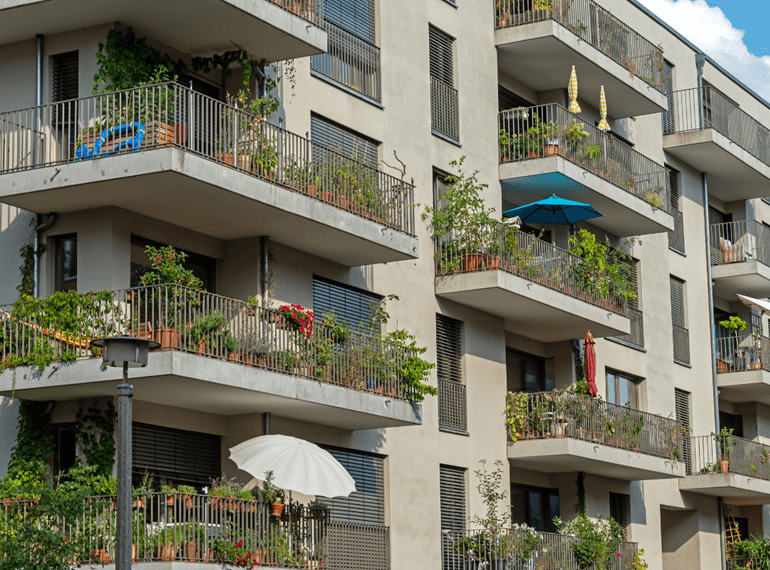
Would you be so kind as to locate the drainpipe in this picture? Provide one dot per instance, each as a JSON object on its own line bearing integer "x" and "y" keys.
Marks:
{"x": 264, "y": 269}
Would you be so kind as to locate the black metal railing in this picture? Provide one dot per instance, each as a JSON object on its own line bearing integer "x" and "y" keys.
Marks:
{"x": 444, "y": 109}
{"x": 681, "y": 338}
{"x": 736, "y": 242}
{"x": 531, "y": 133}
{"x": 187, "y": 320}
{"x": 196, "y": 528}
{"x": 350, "y": 61}
{"x": 706, "y": 108}
{"x": 676, "y": 236}
{"x": 595, "y": 26}
{"x": 170, "y": 115}
{"x": 452, "y": 408}
{"x": 523, "y": 549}
{"x": 309, "y": 10}
{"x": 548, "y": 415}
{"x": 505, "y": 248}
{"x": 730, "y": 454}
{"x": 745, "y": 352}
{"x": 636, "y": 336}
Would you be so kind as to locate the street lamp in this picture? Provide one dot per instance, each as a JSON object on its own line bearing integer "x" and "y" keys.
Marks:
{"x": 128, "y": 352}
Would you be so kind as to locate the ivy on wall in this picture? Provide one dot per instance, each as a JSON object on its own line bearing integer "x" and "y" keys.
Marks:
{"x": 94, "y": 431}
{"x": 34, "y": 438}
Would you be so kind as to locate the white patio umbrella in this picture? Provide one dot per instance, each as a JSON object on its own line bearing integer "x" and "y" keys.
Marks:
{"x": 297, "y": 465}
{"x": 759, "y": 305}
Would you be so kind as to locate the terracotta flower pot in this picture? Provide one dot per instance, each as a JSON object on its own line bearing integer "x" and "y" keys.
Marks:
{"x": 276, "y": 509}
{"x": 310, "y": 189}
{"x": 472, "y": 262}
{"x": 724, "y": 466}
{"x": 168, "y": 338}
{"x": 165, "y": 552}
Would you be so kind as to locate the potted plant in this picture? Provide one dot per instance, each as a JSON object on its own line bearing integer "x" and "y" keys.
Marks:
{"x": 723, "y": 439}
{"x": 222, "y": 490}
{"x": 188, "y": 492}
{"x": 733, "y": 325}
{"x": 318, "y": 510}
{"x": 164, "y": 544}
{"x": 653, "y": 199}
{"x": 298, "y": 318}
{"x": 256, "y": 347}
{"x": 272, "y": 495}
{"x": 756, "y": 355}
{"x": 141, "y": 492}
{"x": 194, "y": 548}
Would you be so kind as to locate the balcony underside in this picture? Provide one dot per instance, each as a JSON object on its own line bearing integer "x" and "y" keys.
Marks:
{"x": 733, "y": 173}
{"x": 750, "y": 278}
{"x": 745, "y": 386}
{"x": 542, "y": 54}
{"x": 184, "y": 189}
{"x": 735, "y": 489}
{"x": 202, "y": 27}
{"x": 565, "y": 455}
{"x": 530, "y": 309}
{"x": 208, "y": 385}
{"x": 624, "y": 213}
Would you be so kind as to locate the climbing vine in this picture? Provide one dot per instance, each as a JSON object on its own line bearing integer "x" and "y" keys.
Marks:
{"x": 27, "y": 268}
{"x": 34, "y": 438}
{"x": 581, "y": 493}
{"x": 94, "y": 429}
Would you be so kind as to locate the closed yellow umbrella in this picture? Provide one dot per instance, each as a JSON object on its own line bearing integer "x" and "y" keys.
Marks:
{"x": 603, "y": 125}
{"x": 572, "y": 90}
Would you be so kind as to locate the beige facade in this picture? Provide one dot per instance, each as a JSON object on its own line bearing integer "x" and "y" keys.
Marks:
{"x": 677, "y": 528}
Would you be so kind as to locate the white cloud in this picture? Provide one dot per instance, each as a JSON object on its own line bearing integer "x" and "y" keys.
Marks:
{"x": 710, "y": 30}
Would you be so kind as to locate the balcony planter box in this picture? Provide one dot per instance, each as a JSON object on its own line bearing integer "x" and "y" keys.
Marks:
{"x": 100, "y": 556}
{"x": 168, "y": 338}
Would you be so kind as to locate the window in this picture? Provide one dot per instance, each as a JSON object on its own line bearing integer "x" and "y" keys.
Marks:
{"x": 367, "y": 504}
{"x": 682, "y": 409}
{"x": 453, "y": 517}
{"x": 528, "y": 373}
{"x": 65, "y": 441}
{"x": 174, "y": 455}
{"x": 347, "y": 142}
{"x": 452, "y": 405}
{"x": 668, "y": 90}
{"x": 620, "y": 510}
{"x": 731, "y": 421}
{"x": 675, "y": 237}
{"x": 535, "y": 507}
{"x": 509, "y": 100}
{"x": 622, "y": 390}
{"x": 678, "y": 318}
{"x": 66, "y": 261}
{"x": 443, "y": 95}
{"x": 353, "y": 306}
{"x": 64, "y": 87}
{"x": 204, "y": 268}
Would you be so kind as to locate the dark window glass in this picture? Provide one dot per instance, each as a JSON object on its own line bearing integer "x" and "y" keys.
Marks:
{"x": 64, "y": 76}
{"x": 622, "y": 390}
{"x": 66, "y": 252}
{"x": 528, "y": 373}
{"x": 204, "y": 268}
{"x": 65, "y": 457}
{"x": 733, "y": 422}
{"x": 620, "y": 510}
{"x": 535, "y": 506}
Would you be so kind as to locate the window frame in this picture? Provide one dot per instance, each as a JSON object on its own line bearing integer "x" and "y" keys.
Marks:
{"x": 58, "y": 262}
{"x": 630, "y": 380}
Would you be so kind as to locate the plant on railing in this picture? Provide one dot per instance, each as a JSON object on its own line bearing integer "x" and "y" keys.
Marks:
{"x": 210, "y": 334}
{"x": 654, "y": 199}
{"x": 271, "y": 494}
{"x": 758, "y": 549}
{"x": 598, "y": 542}
{"x": 601, "y": 270}
{"x": 516, "y": 414}
{"x": 723, "y": 440}
{"x": 734, "y": 325}
{"x": 540, "y": 139}
{"x": 301, "y": 174}
{"x": 298, "y": 318}
{"x": 638, "y": 563}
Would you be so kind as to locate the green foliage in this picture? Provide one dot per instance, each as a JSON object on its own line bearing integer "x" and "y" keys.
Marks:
{"x": 269, "y": 492}
{"x": 489, "y": 487}
{"x": 187, "y": 489}
{"x": 224, "y": 487}
{"x": 27, "y": 267}
{"x": 413, "y": 371}
{"x": 34, "y": 437}
{"x": 758, "y": 548}
{"x": 94, "y": 430}
{"x": 598, "y": 542}
{"x": 168, "y": 268}
{"x": 724, "y": 439}
{"x": 602, "y": 269}
{"x": 734, "y": 325}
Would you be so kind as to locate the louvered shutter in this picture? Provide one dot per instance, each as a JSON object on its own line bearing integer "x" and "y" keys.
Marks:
{"x": 441, "y": 56}
{"x": 508, "y": 100}
{"x": 630, "y": 270}
{"x": 620, "y": 510}
{"x": 682, "y": 409}
{"x": 448, "y": 349}
{"x": 675, "y": 237}
{"x": 64, "y": 87}
{"x": 452, "y": 488}
{"x": 669, "y": 125}
{"x": 367, "y": 504}
{"x": 345, "y": 141}
{"x": 673, "y": 184}
{"x": 180, "y": 455}
{"x": 353, "y": 306}
{"x": 356, "y": 16}
{"x": 677, "y": 302}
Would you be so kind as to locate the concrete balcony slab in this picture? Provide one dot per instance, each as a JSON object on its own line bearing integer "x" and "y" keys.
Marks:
{"x": 205, "y": 384}
{"x": 200, "y": 27}
{"x": 542, "y": 54}
{"x": 567, "y": 455}
{"x": 736, "y": 489}
{"x": 750, "y": 278}
{"x": 744, "y": 386}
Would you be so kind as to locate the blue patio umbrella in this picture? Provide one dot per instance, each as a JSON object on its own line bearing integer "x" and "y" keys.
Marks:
{"x": 554, "y": 210}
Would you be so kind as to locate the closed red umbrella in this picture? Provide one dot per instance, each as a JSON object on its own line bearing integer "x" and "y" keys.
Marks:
{"x": 590, "y": 363}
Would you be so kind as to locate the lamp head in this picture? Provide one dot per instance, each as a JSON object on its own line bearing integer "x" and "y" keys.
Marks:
{"x": 120, "y": 350}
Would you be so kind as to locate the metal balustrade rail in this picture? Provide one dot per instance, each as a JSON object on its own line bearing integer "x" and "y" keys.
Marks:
{"x": 746, "y": 352}
{"x": 353, "y": 546}
{"x": 170, "y": 115}
{"x": 681, "y": 338}
{"x": 736, "y": 242}
{"x": 505, "y": 248}
{"x": 595, "y": 26}
{"x": 309, "y": 10}
{"x": 452, "y": 408}
{"x": 730, "y": 454}
{"x": 187, "y": 320}
{"x": 548, "y": 415}
{"x": 636, "y": 336}
{"x": 351, "y": 61}
{"x": 444, "y": 109}
{"x": 514, "y": 548}
{"x": 706, "y": 108}
{"x": 530, "y": 133}
{"x": 192, "y": 528}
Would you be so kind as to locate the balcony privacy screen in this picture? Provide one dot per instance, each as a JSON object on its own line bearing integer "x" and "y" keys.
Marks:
{"x": 675, "y": 237}
{"x": 353, "y": 306}
{"x": 668, "y": 88}
{"x": 183, "y": 456}
{"x": 345, "y": 141}
{"x": 367, "y": 504}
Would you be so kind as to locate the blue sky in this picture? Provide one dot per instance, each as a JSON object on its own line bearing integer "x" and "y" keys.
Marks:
{"x": 732, "y": 32}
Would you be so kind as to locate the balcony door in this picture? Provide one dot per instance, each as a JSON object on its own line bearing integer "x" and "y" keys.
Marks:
{"x": 529, "y": 373}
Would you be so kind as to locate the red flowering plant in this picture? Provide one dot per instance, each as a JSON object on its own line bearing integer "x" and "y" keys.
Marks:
{"x": 237, "y": 553}
{"x": 299, "y": 318}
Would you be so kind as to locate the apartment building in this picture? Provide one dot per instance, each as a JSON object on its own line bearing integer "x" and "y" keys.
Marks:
{"x": 679, "y": 178}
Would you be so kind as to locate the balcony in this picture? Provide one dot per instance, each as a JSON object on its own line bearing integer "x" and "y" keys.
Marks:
{"x": 743, "y": 368}
{"x": 539, "y": 289}
{"x": 184, "y": 158}
{"x": 736, "y": 469}
{"x": 513, "y": 548}
{"x": 547, "y": 149}
{"x": 563, "y": 432}
{"x": 740, "y": 259}
{"x": 711, "y": 133}
{"x": 177, "y": 527}
{"x": 539, "y": 46}
{"x": 273, "y": 30}
{"x": 218, "y": 355}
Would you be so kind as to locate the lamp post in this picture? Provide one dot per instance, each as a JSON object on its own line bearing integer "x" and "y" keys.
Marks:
{"x": 127, "y": 352}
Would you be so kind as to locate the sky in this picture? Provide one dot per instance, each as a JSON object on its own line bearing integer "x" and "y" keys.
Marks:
{"x": 732, "y": 32}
